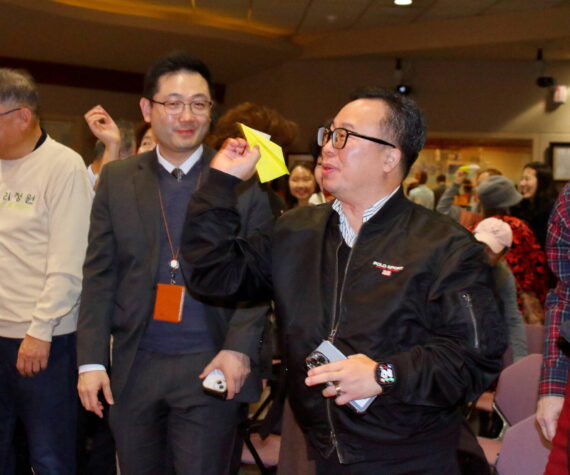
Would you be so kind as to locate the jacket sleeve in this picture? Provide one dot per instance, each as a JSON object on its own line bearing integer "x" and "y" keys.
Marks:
{"x": 507, "y": 291}
{"x": 218, "y": 262}
{"x": 469, "y": 334}
{"x": 555, "y": 364}
{"x": 445, "y": 204}
{"x": 99, "y": 283}
{"x": 245, "y": 331}
{"x": 68, "y": 199}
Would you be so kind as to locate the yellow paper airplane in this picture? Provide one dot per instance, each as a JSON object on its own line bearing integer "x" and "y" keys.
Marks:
{"x": 271, "y": 164}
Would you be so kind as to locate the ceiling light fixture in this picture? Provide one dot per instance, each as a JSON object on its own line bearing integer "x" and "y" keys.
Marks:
{"x": 403, "y": 2}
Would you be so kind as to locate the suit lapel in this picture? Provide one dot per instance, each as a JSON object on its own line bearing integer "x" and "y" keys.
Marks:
{"x": 146, "y": 190}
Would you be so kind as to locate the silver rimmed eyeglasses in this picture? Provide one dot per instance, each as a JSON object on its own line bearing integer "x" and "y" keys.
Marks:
{"x": 340, "y": 135}
{"x": 198, "y": 106}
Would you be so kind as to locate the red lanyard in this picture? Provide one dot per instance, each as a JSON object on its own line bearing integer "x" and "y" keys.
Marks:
{"x": 173, "y": 264}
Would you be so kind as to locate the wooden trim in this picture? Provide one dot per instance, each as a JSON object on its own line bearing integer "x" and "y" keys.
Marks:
{"x": 87, "y": 77}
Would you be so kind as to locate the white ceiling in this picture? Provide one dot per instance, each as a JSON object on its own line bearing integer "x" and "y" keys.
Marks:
{"x": 241, "y": 37}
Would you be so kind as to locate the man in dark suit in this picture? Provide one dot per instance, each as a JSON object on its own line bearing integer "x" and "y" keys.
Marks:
{"x": 160, "y": 416}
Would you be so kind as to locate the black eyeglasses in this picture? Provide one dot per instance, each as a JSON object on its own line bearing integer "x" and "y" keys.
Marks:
{"x": 198, "y": 106}
{"x": 340, "y": 136}
{"x": 10, "y": 111}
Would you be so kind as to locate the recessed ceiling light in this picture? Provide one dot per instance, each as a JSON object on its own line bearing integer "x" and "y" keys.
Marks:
{"x": 403, "y": 2}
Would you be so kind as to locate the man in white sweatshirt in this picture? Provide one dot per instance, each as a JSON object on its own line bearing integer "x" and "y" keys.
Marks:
{"x": 45, "y": 199}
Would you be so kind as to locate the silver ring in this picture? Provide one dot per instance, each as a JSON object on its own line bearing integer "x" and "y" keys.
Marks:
{"x": 338, "y": 389}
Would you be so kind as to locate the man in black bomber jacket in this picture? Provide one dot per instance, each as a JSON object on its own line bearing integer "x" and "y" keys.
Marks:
{"x": 401, "y": 290}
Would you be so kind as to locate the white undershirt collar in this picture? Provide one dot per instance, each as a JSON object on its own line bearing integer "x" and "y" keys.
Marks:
{"x": 186, "y": 166}
{"x": 348, "y": 234}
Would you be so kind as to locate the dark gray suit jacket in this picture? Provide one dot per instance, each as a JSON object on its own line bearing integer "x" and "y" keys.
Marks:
{"x": 119, "y": 274}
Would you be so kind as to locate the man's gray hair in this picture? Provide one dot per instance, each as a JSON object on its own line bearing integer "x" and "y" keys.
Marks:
{"x": 17, "y": 87}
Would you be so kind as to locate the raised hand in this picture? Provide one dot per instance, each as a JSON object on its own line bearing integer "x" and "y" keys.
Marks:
{"x": 103, "y": 126}
{"x": 236, "y": 158}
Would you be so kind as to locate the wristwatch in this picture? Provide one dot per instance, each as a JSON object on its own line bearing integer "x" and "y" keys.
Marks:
{"x": 385, "y": 376}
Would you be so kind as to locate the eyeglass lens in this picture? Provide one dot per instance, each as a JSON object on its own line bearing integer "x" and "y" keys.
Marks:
{"x": 177, "y": 107}
{"x": 338, "y": 136}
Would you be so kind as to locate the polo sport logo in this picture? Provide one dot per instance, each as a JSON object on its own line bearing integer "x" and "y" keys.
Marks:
{"x": 387, "y": 269}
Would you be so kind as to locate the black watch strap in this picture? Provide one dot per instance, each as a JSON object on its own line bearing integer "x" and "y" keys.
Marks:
{"x": 385, "y": 375}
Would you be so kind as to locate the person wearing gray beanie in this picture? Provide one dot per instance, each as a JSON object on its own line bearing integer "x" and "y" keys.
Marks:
{"x": 498, "y": 193}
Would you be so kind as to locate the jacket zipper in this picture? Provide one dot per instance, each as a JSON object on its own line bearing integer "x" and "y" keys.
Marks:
{"x": 336, "y": 316}
{"x": 331, "y": 339}
{"x": 335, "y": 294}
{"x": 332, "y": 432}
{"x": 469, "y": 305}
{"x": 334, "y": 329}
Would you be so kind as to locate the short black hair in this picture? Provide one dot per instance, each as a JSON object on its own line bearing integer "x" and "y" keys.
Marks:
{"x": 173, "y": 63}
{"x": 406, "y": 122}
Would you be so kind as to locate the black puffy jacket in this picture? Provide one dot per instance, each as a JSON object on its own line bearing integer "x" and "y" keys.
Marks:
{"x": 417, "y": 293}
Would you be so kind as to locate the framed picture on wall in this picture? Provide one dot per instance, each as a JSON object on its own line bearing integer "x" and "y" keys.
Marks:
{"x": 559, "y": 158}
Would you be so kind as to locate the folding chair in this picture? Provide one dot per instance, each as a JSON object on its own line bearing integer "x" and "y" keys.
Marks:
{"x": 515, "y": 399}
{"x": 260, "y": 446}
{"x": 524, "y": 450}
{"x": 534, "y": 338}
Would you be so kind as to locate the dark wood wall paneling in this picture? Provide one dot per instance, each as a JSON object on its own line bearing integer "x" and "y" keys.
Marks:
{"x": 87, "y": 77}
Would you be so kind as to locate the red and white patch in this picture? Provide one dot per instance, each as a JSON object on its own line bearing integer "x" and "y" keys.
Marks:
{"x": 387, "y": 269}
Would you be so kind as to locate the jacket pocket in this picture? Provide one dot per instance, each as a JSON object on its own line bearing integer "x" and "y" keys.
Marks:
{"x": 486, "y": 324}
{"x": 467, "y": 302}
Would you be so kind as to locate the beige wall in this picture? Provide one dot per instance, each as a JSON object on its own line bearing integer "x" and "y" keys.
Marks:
{"x": 472, "y": 97}
{"x": 73, "y": 101}
{"x": 460, "y": 98}
{"x": 62, "y": 109}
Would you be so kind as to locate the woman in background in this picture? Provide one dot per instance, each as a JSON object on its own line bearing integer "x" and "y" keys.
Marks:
{"x": 302, "y": 185}
{"x": 537, "y": 188}
{"x": 527, "y": 260}
{"x": 321, "y": 195}
{"x": 264, "y": 119}
{"x": 147, "y": 141}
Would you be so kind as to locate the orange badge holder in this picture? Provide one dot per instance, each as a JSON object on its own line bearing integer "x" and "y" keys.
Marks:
{"x": 169, "y": 303}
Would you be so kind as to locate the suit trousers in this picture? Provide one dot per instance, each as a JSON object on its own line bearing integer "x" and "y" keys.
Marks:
{"x": 47, "y": 405}
{"x": 164, "y": 423}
